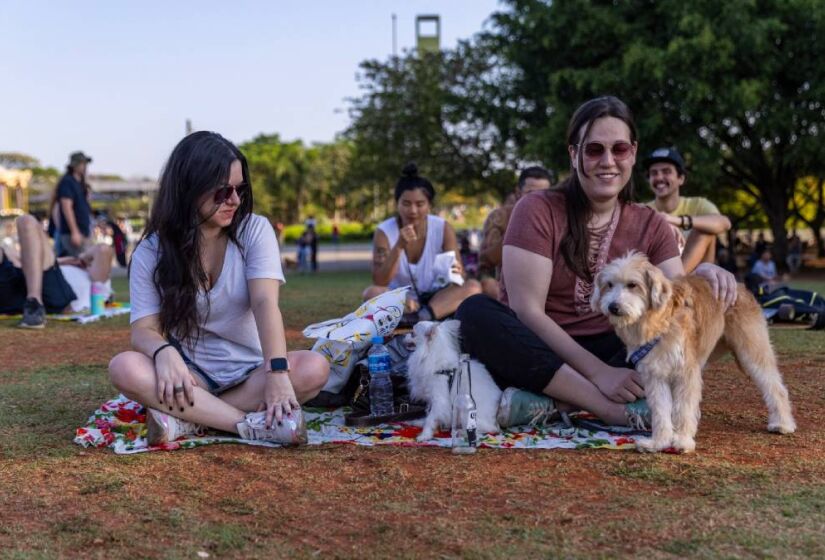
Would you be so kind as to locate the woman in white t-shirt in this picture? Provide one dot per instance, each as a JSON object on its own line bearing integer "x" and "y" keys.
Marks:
{"x": 405, "y": 249}
{"x": 208, "y": 336}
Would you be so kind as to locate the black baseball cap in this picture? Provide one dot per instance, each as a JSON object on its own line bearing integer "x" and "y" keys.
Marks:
{"x": 669, "y": 155}
{"x": 79, "y": 157}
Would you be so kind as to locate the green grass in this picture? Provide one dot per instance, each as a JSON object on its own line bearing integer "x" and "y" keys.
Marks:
{"x": 59, "y": 500}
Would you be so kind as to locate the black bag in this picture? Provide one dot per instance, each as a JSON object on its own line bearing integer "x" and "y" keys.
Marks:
{"x": 403, "y": 407}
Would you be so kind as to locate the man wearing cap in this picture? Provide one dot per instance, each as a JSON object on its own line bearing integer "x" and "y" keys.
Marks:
{"x": 75, "y": 212}
{"x": 698, "y": 218}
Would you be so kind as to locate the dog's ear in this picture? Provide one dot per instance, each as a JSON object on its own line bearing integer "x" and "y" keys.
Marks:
{"x": 659, "y": 289}
{"x": 595, "y": 298}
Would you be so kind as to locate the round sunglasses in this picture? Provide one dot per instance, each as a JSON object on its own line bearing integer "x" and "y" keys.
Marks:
{"x": 595, "y": 150}
{"x": 224, "y": 193}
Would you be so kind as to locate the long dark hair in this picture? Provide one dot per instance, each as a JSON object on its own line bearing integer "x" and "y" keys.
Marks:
{"x": 576, "y": 243}
{"x": 199, "y": 164}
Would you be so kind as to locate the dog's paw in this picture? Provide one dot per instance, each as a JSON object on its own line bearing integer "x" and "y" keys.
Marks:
{"x": 488, "y": 428}
{"x": 426, "y": 435}
{"x": 684, "y": 444}
{"x": 649, "y": 445}
{"x": 786, "y": 427}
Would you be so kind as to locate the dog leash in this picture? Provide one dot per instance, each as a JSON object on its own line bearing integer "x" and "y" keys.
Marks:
{"x": 643, "y": 351}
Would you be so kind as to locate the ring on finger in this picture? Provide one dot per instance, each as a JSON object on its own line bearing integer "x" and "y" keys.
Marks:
{"x": 178, "y": 389}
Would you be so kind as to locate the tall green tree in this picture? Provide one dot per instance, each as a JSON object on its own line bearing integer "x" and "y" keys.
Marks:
{"x": 428, "y": 109}
{"x": 739, "y": 85}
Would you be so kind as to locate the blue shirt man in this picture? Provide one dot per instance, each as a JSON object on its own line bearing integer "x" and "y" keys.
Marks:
{"x": 75, "y": 213}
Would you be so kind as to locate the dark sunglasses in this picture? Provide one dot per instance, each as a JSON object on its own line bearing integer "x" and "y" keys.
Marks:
{"x": 224, "y": 193}
{"x": 620, "y": 150}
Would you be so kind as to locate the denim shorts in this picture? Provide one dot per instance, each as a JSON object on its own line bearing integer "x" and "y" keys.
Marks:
{"x": 210, "y": 383}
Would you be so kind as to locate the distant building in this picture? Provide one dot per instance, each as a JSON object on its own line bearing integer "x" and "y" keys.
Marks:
{"x": 428, "y": 34}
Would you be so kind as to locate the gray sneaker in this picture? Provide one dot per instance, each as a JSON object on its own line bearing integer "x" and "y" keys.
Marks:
{"x": 34, "y": 315}
{"x": 519, "y": 407}
{"x": 163, "y": 428}
{"x": 291, "y": 431}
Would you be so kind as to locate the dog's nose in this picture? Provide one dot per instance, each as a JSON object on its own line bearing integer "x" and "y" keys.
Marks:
{"x": 614, "y": 309}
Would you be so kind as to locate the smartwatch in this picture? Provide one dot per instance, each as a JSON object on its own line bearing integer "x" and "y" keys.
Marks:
{"x": 278, "y": 365}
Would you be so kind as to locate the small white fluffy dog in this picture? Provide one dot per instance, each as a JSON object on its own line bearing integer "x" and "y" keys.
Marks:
{"x": 643, "y": 306}
{"x": 437, "y": 350}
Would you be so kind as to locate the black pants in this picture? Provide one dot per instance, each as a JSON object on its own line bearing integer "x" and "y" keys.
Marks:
{"x": 492, "y": 333}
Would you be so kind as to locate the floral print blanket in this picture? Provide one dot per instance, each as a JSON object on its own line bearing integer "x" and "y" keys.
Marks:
{"x": 119, "y": 424}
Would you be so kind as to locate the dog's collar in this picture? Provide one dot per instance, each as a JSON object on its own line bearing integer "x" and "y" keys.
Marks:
{"x": 643, "y": 351}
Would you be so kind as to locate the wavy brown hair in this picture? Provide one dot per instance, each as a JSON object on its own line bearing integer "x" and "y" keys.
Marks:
{"x": 576, "y": 242}
{"x": 199, "y": 164}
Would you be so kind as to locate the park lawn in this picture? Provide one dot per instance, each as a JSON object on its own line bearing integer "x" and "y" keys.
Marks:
{"x": 745, "y": 493}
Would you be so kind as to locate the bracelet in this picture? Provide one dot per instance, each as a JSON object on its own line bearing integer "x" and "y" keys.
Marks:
{"x": 155, "y": 355}
{"x": 689, "y": 221}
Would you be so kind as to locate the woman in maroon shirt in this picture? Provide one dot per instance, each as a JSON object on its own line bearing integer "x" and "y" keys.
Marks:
{"x": 543, "y": 336}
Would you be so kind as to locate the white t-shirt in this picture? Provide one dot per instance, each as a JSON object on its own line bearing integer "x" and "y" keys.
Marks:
{"x": 423, "y": 271}
{"x": 766, "y": 270}
{"x": 228, "y": 345}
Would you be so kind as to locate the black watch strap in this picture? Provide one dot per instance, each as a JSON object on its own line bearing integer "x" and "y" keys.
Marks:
{"x": 278, "y": 364}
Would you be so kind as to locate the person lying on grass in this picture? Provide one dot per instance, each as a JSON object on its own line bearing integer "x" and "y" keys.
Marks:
{"x": 404, "y": 252}
{"x": 208, "y": 336}
{"x": 543, "y": 339}
{"x": 33, "y": 281}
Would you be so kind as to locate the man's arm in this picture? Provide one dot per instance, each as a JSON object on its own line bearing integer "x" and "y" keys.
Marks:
{"x": 67, "y": 205}
{"x": 492, "y": 237}
{"x": 712, "y": 224}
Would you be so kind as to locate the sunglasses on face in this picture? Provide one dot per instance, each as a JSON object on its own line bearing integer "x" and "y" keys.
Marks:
{"x": 620, "y": 150}
{"x": 224, "y": 193}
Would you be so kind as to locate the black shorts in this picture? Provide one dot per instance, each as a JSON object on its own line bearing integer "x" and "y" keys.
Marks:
{"x": 57, "y": 293}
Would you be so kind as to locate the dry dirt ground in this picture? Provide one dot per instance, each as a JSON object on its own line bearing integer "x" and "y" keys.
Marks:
{"x": 745, "y": 493}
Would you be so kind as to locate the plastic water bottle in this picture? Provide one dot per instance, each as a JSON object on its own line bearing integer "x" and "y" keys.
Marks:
{"x": 378, "y": 359}
{"x": 464, "y": 411}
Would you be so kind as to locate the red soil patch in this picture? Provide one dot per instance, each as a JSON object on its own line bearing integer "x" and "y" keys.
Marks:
{"x": 333, "y": 499}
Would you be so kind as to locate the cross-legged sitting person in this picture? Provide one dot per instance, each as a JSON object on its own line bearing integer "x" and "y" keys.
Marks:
{"x": 543, "y": 339}
{"x": 33, "y": 282}
{"x": 207, "y": 332}
{"x": 405, "y": 249}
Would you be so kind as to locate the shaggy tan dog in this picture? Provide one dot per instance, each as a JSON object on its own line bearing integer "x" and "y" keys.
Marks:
{"x": 685, "y": 323}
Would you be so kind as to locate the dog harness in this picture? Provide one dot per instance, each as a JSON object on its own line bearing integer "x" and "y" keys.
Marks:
{"x": 450, "y": 373}
{"x": 643, "y": 351}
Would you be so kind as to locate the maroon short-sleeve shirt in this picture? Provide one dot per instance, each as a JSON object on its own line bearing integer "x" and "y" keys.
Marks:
{"x": 539, "y": 223}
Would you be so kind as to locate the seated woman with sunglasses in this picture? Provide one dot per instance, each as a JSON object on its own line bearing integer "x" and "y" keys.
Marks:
{"x": 208, "y": 336}
{"x": 404, "y": 251}
{"x": 543, "y": 336}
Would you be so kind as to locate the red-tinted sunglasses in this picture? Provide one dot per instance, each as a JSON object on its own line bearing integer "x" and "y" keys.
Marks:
{"x": 224, "y": 193}
{"x": 620, "y": 150}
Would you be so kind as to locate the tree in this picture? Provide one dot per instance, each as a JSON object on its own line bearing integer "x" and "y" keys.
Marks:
{"x": 809, "y": 206}
{"x": 427, "y": 109}
{"x": 279, "y": 175}
{"x": 738, "y": 85}
{"x": 18, "y": 160}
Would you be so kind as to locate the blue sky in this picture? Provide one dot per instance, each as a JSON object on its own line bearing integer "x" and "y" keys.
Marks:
{"x": 118, "y": 79}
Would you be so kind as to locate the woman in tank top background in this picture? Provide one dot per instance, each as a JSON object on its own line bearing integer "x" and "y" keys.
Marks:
{"x": 404, "y": 251}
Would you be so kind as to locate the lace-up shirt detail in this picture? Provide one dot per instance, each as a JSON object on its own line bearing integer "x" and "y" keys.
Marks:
{"x": 539, "y": 223}
{"x": 600, "y": 239}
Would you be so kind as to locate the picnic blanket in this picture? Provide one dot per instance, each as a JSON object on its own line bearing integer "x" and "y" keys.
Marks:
{"x": 112, "y": 310}
{"x": 119, "y": 424}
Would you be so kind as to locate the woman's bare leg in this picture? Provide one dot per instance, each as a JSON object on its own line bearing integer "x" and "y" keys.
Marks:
{"x": 36, "y": 254}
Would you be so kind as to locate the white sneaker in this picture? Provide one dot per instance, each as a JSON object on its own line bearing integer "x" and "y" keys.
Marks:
{"x": 164, "y": 428}
{"x": 291, "y": 431}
